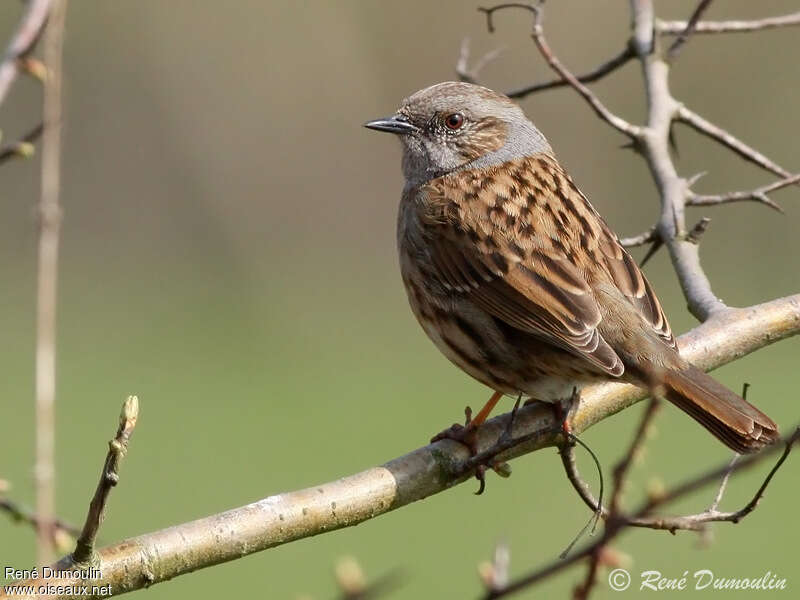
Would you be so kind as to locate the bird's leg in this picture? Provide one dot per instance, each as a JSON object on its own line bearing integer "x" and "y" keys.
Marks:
{"x": 466, "y": 434}
{"x": 563, "y": 409}
{"x": 504, "y": 442}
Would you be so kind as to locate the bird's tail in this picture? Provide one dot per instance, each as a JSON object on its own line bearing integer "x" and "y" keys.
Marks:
{"x": 734, "y": 421}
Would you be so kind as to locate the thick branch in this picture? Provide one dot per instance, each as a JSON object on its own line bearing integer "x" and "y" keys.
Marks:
{"x": 276, "y": 520}
{"x": 676, "y": 27}
{"x": 661, "y": 110}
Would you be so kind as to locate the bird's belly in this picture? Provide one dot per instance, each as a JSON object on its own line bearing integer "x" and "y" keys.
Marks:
{"x": 472, "y": 341}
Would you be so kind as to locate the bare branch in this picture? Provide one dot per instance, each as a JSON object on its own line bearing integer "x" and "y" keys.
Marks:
{"x": 621, "y": 469}
{"x": 567, "y": 454}
{"x": 655, "y": 147}
{"x": 640, "y": 516}
{"x": 687, "y": 32}
{"x": 471, "y": 74}
{"x": 22, "y": 42}
{"x": 615, "y": 121}
{"x": 429, "y": 470}
{"x": 724, "y": 483}
{"x": 596, "y": 74}
{"x": 756, "y": 195}
{"x": 117, "y": 448}
{"x": 676, "y": 27}
{"x": 47, "y": 283}
{"x": 19, "y": 513}
{"x": 646, "y": 237}
{"x": 699, "y": 124}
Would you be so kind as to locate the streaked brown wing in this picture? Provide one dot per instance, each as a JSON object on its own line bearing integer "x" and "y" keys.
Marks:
{"x": 518, "y": 240}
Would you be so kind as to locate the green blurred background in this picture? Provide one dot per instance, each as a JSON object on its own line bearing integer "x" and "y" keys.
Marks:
{"x": 228, "y": 254}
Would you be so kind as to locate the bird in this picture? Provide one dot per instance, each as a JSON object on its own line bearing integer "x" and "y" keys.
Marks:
{"x": 519, "y": 281}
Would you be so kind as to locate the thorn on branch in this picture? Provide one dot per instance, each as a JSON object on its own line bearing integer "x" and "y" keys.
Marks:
{"x": 117, "y": 448}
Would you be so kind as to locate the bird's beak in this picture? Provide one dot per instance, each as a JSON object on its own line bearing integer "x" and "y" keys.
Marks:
{"x": 397, "y": 124}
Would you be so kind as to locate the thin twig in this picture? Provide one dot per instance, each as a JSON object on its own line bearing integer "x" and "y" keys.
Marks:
{"x": 595, "y": 74}
{"x": 19, "y": 513}
{"x": 584, "y": 590}
{"x": 756, "y": 195}
{"x": 23, "y": 147}
{"x": 676, "y": 27}
{"x": 687, "y": 32}
{"x": 22, "y": 42}
{"x": 622, "y": 467}
{"x": 701, "y": 125}
{"x": 47, "y": 284}
{"x": 84, "y": 549}
{"x": 471, "y": 74}
{"x": 640, "y": 516}
{"x": 615, "y": 121}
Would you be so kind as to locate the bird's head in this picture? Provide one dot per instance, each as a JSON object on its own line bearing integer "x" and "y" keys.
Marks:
{"x": 453, "y": 125}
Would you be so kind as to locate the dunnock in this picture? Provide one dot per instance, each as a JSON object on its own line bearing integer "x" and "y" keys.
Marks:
{"x": 519, "y": 281}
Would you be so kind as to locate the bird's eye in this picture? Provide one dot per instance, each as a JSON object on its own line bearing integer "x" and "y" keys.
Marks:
{"x": 454, "y": 121}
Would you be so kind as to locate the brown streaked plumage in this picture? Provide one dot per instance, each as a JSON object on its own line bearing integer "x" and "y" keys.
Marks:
{"x": 518, "y": 280}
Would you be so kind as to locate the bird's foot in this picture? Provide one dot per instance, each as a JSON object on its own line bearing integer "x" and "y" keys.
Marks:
{"x": 465, "y": 434}
{"x": 487, "y": 460}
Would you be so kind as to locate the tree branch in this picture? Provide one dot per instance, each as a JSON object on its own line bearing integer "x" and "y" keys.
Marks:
{"x": 615, "y": 121}
{"x": 17, "y": 512}
{"x": 596, "y": 74}
{"x": 718, "y": 134}
{"x": 155, "y": 557}
{"x": 47, "y": 284}
{"x": 676, "y": 27}
{"x": 756, "y": 195}
{"x": 22, "y": 42}
{"x": 640, "y": 515}
{"x": 687, "y": 32}
{"x": 84, "y": 553}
